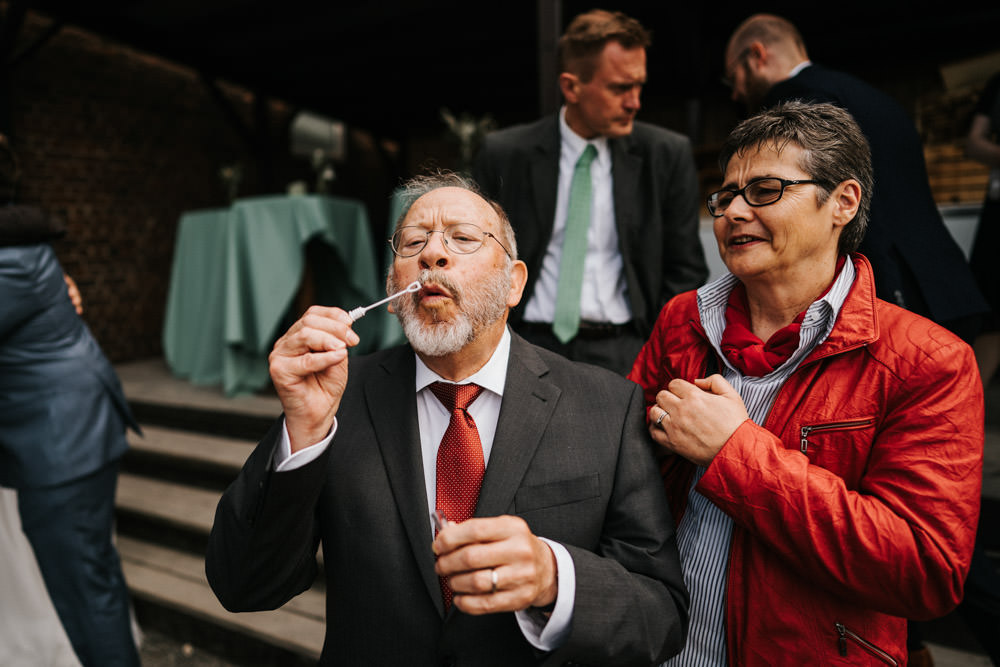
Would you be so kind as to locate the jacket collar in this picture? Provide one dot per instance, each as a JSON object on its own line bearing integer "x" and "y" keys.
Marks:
{"x": 857, "y": 324}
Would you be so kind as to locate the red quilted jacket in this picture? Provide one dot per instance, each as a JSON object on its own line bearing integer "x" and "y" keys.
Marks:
{"x": 855, "y": 504}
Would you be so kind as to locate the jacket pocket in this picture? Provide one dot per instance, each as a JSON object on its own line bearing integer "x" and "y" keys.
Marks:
{"x": 846, "y": 425}
{"x": 557, "y": 493}
{"x": 847, "y": 637}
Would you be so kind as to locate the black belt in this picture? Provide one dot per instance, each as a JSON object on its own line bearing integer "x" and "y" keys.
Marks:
{"x": 588, "y": 330}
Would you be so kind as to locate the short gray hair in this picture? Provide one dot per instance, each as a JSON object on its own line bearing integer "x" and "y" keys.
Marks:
{"x": 418, "y": 186}
{"x": 834, "y": 150}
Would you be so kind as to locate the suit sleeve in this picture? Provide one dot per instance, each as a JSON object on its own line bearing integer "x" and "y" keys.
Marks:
{"x": 631, "y": 604}
{"x": 482, "y": 170}
{"x": 262, "y": 548}
{"x": 30, "y": 282}
{"x": 901, "y": 542}
{"x": 684, "y": 266}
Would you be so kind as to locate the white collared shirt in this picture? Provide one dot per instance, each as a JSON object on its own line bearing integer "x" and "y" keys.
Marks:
{"x": 432, "y": 419}
{"x": 603, "y": 297}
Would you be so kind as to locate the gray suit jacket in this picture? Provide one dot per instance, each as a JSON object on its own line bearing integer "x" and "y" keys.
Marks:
{"x": 62, "y": 411}
{"x": 656, "y": 199}
{"x": 571, "y": 456}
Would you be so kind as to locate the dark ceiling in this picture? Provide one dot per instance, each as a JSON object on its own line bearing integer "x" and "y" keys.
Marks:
{"x": 390, "y": 65}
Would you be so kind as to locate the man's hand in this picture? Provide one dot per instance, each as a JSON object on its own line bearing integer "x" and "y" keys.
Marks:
{"x": 699, "y": 418}
{"x": 475, "y": 553}
{"x": 309, "y": 370}
{"x": 74, "y": 294}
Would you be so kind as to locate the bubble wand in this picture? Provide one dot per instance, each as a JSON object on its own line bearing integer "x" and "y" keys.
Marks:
{"x": 359, "y": 312}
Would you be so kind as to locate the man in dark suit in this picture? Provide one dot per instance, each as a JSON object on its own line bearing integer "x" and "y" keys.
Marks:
{"x": 569, "y": 555}
{"x": 917, "y": 263}
{"x": 642, "y": 243}
{"x": 62, "y": 433}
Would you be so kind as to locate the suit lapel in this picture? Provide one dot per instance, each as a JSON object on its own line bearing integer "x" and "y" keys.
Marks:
{"x": 527, "y": 406}
{"x": 626, "y": 169}
{"x": 544, "y": 177}
{"x": 392, "y": 408}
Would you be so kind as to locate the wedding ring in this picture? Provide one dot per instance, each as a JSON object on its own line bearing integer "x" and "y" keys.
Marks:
{"x": 664, "y": 414}
{"x": 494, "y": 578}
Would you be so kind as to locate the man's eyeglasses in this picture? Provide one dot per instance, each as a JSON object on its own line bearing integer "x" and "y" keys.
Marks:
{"x": 758, "y": 192}
{"x": 463, "y": 238}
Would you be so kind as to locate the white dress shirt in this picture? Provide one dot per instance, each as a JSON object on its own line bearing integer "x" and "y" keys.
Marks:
{"x": 603, "y": 295}
{"x": 432, "y": 419}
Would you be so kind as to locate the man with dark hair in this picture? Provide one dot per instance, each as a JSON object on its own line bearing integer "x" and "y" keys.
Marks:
{"x": 605, "y": 207}
{"x": 555, "y": 545}
{"x": 822, "y": 448}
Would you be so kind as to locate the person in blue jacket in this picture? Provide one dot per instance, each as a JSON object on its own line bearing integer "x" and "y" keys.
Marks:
{"x": 63, "y": 419}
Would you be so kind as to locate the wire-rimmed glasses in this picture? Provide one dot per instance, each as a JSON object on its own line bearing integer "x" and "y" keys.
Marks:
{"x": 463, "y": 238}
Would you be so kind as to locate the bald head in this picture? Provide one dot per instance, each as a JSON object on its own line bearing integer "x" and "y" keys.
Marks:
{"x": 762, "y": 51}
{"x": 771, "y": 31}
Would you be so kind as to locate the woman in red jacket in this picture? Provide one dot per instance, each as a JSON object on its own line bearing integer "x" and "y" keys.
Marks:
{"x": 826, "y": 481}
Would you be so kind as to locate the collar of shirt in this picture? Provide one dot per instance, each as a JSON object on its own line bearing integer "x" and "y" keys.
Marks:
{"x": 574, "y": 144}
{"x": 492, "y": 376}
{"x": 821, "y": 314}
{"x": 798, "y": 68}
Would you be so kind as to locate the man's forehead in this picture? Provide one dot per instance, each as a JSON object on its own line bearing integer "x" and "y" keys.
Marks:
{"x": 451, "y": 205}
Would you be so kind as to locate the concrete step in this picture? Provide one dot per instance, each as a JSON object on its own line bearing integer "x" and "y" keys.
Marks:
{"x": 169, "y": 503}
{"x": 176, "y": 580}
{"x": 170, "y": 512}
{"x": 159, "y": 398}
{"x": 194, "y": 442}
{"x": 191, "y": 450}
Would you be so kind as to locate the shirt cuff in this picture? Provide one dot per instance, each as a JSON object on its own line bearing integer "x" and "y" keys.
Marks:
{"x": 284, "y": 460}
{"x": 548, "y": 634}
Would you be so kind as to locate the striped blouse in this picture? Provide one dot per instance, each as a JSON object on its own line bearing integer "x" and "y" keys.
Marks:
{"x": 704, "y": 532}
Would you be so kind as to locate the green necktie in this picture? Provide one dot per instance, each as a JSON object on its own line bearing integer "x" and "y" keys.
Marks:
{"x": 566, "y": 322}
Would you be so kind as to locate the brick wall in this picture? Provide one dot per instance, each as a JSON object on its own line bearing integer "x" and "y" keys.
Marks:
{"x": 943, "y": 121}
{"x": 119, "y": 144}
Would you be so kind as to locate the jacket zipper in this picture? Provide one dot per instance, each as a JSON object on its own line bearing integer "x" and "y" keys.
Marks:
{"x": 846, "y": 634}
{"x": 841, "y": 426}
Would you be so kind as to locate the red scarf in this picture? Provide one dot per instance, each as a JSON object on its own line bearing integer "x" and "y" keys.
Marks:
{"x": 748, "y": 353}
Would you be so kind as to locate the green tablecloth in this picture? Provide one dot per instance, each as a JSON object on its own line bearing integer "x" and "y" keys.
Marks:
{"x": 236, "y": 272}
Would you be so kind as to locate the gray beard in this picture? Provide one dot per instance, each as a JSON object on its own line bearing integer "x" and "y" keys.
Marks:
{"x": 478, "y": 307}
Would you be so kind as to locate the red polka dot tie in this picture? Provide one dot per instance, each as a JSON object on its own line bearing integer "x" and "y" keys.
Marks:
{"x": 460, "y": 464}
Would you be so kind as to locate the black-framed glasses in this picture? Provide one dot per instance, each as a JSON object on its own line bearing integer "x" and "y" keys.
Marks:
{"x": 758, "y": 192}
{"x": 463, "y": 238}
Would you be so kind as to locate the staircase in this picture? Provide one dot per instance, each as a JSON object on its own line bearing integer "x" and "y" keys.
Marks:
{"x": 193, "y": 445}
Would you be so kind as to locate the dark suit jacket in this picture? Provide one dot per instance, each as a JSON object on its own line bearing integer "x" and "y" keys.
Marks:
{"x": 62, "y": 411}
{"x": 571, "y": 456}
{"x": 656, "y": 200}
{"x": 910, "y": 249}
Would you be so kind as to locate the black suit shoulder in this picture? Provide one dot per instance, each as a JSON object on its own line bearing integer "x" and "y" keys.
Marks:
{"x": 875, "y": 110}
{"x": 647, "y": 134}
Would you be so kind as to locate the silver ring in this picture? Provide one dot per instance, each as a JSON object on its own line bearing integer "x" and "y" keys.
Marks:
{"x": 661, "y": 417}
{"x": 495, "y": 579}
